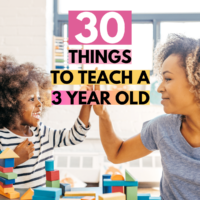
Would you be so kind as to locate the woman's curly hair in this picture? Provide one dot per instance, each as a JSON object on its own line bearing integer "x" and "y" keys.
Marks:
{"x": 188, "y": 49}
{"x": 15, "y": 81}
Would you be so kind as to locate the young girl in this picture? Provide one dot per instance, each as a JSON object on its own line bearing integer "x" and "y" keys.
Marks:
{"x": 177, "y": 133}
{"x": 24, "y": 93}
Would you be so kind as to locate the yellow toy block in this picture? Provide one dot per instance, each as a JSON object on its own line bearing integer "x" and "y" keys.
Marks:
{"x": 88, "y": 198}
{"x": 117, "y": 177}
{"x": 12, "y": 195}
{"x": 28, "y": 194}
{"x": 8, "y": 153}
{"x": 7, "y": 190}
{"x": 82, "y": 193}
{"x": 113, "y": 196}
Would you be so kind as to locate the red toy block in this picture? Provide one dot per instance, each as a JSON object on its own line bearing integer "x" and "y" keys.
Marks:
{"x": 52, "y": 175}
{"x": 6, "y": 170}
{"x": 118, "y": 189}
{"x": 5, "y": 186}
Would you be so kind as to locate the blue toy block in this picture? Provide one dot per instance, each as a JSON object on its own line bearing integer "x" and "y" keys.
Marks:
{"x": 47, "y": 192}
{"x": 8, "y": 162}
{"x": 75, "y": 197}
{"x": 49, "y": 165}
{"x": 65, "y": 187}
{"x": 155, "y": 198}
{"x": 108, "y": 182}
{"x": 143, "y": 196}
{"x": 106, "y": 189}
{"x": 7, "y": 182}
{"x": 35, "y": 197}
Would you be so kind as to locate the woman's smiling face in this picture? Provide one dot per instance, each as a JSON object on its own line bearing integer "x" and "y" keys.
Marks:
{"x": 177, "y": 99}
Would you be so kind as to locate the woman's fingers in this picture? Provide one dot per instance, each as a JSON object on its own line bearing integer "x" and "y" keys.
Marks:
{"x": 97, "y": 87}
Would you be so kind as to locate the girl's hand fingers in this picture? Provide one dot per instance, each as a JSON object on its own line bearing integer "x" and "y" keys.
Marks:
{"x": 89, "y": 87}
{"x": 97, "y": 87}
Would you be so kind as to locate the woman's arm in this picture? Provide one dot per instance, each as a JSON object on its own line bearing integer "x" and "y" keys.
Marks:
{"x": 84, "y": 115}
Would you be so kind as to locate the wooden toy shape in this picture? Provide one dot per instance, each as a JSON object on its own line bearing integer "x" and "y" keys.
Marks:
{"x": 131, "y": 193}
{"x": 53, "y": 175}
{"x": 7, "y": 190}
{"x": 117, "y": 177}
{"x": 118, "y": 189}
{"x": 106, "y": 189}
{"x": 5, "y": 186}
{"x": 48, "y": 192}
{"x": 155, "y": 198}
{"x": 28, "y": 194}
{"x": 12, "y": 195}
{"x": 8, "y": 176}
{"x": 129, "y": 177}
{"x": 6, "y": 170}
{"x": 65, "y": 187}
{"x": 49, "y": 165}
{"x": 7, "y": 182}
{"x": 88, "y": 198}
{"x": 54, "y": 184}
{"x": 143, "y": 196}
{"x": 113, "y": 196}
{"x": 81, "y": 193}
{"x": 10, "y": 162}
{"x": 108, "y": 182}
{"x": 8, "y": 153}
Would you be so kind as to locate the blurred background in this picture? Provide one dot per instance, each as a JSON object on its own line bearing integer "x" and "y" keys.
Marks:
{"x": 36, "y": 31}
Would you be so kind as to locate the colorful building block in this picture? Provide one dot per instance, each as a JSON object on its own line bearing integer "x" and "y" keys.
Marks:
{"x": 88, "y": 198}
{"x": 113, "y": 196}
{"x": 54, "y": 184}
{"x": 6, "y": 170}
{"x": 8, "y": 153}
{"x": 48, "y": 192}
{"x": 7, "y": 182}
{"x": 143, "y": 196}
{"x": 129, "y": 177}
{"x": 106, "y": 189}
{"x": 52, "y": 175}
{"x": 28, "y": 195}
{"x": 155, "y": 198}
{"x": 6, "y": 186}
{"x": 117, "y": 177}
{"x": 10, "y": 162}
{"x": 81, "y": 193}
{"x": 12, "y": 195}
{"x": 8, "y": 176}
{"x": 49, "y": 165}
{"x": 74, "y": 197}
{"x": 118, "y": 189}
{"x": 131, "y": 193}
{"x": 35, "y": 197}
{"x": 65, "y": 187}
{"x": 108, "y": 182}
{"x": 7, "y": 190}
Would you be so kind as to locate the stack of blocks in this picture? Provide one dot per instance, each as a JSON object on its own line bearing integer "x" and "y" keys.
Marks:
{"x": 7, "y": 177}
{"x": 52, "y": 176}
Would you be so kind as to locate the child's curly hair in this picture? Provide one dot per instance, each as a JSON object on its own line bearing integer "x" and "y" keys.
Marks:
{"x": 189, "y": 51}
{"x": 15, "y": 81}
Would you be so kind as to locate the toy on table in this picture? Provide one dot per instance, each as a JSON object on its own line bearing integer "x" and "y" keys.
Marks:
{"x": 113, "y": 196}
{"x": 28, "y": 194}
{"x": 117, "y": 177}
{"x": 81, "y": 193}
{"x": 7, "y": 177}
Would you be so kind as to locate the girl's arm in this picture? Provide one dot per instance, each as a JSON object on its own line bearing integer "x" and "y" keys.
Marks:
{"x": 117, "y": 150}
{"x": 85, "y": 114}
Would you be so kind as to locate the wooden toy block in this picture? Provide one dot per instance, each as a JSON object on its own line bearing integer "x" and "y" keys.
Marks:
{"x": 65, "y": 187}
{"x": 117, "y": 177}
{"x": 81, "y": 193}
{"x": 49, "y": 165}
{"x": 131, "y": 193}
{"x": 88, "y": 198}
{"x": 7, "y": 190}
{"x": 35, "y": 197}
{"x": 12, "y": 195}
{"x": 118, "y": 189}
{"x": 52, "y": 175}
{"x": 48, "y": 192}
{"x": 54, "y": 184}
{"x": 8, "y": 176}
{"x": 108, "y": 182}
{"x": 155, "y": 198}
{"x": 7, "y": 162}
{"x": 7, "y": 182}
{"x": 74, "y": 198}
{"x": 6, "y": 186}
{"x": 28, "y": 194}
{"x": 106, "y": 189}
{"x": 113, "y": 196}
{"x": 129, "y": 177}
{"x": 8, "y": 153}
{"x": 143, "y": 196}
{"x": 6, "y": 170}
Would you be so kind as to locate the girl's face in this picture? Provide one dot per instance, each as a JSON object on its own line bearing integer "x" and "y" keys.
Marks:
{"x": 177, "y": 99}
{"x": 32, "y": 107}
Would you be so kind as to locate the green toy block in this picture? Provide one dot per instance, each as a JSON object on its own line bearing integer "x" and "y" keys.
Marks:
{"x": 53, "y": 184}
{"x": 8, "y": 176}
{"x": 131, "y": 193}
{"x": 129, "y": 177}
